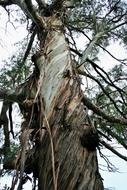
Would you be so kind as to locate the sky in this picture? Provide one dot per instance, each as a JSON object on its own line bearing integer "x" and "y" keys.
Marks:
{"x": 117, "y": 180}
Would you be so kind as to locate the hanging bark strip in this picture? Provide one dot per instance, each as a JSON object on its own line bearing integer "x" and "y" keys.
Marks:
{"x": 59, "y": 89}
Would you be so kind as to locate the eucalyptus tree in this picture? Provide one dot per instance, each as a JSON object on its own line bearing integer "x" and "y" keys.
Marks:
{"x": 58, "y": 137}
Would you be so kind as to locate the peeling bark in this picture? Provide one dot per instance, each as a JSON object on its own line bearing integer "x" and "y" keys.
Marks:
{"x": 60, "y": 93}
{"x": 54, "y": 113}
{"x": 56, "y": 120}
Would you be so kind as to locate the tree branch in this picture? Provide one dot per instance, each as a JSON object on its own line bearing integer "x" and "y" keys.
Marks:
{"x": 109, "y": 81}
{"x": 102, "y": 87}
{"x": 119, "y": 60}
{"x": 113, "y": 150}
{"x": 5, "y": 3}
{"x": 36, "y": 18}
{"x": 29, "y": 46}
{"x": 113, "y": 134}
{"x": 90, "y": 46}
{"x": 117, "y": 26}
{"x": 112, "y": 8}
{"x": 104, "y": 135}
{"x": 4, "y": 124}
{"x": 87, "y": 102}
{"x": 80, "y": 55}
{"x": 18, "y": 94}
{"x": 8, "y": 95}
{"x": 41, "y": 4}
{"x": 28, "y": 8}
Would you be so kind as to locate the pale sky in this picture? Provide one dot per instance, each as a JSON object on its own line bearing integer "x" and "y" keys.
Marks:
{"x": 7, "y": 40}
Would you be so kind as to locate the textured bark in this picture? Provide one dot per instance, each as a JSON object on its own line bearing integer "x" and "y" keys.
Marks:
{"x": 60, "y": 93}
{"x": 56, "y": 135}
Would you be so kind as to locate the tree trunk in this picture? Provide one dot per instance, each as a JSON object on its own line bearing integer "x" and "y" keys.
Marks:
{"x": 66, "y": 155}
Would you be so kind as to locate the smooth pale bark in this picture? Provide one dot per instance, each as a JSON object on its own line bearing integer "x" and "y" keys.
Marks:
{"x": 60, "y": 92}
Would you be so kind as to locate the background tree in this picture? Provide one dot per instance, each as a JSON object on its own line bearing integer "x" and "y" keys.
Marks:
{"x": 59, "y": 136}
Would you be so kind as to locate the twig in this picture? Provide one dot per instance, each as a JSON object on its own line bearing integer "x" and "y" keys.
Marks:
{"x": 105, "y": 136}
{"x": 110, "y": 82}
{"x": 102, "y": 87}
{"x": 110, "y": 166}
{"x": 112, "y": 8}
{"x": 113, "y": 150}
{"x": 87, "y": 102}
{"x": 113, "y": 134}
{"x": 77, "y": 29}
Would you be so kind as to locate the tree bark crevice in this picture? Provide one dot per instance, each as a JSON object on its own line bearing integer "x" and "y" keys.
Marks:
{"x": 67, "y": 120}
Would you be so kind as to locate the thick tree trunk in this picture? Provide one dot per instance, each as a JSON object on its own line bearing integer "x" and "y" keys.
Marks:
{"x": 63, "y": 121}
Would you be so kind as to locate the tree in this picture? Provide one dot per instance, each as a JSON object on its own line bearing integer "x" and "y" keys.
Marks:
{"x": 59, "y": 138}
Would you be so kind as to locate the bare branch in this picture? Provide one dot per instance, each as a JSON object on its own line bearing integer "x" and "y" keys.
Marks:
{"x": 119, "y": 60}
{"x": 112, "y": 8}
{"x": 117, "y": 18}
{"x": 76, "y": 52}
{"x": 95, "y": 66}
{"x": 109, "y": 81}
{"x": 80, "y": 31}
{"x": 94, "y": 41}
{"x": 117, "y": 26}
{"x": 28, "y": 8}
{"x": 87, "y": 102}
{"x": 102, "y": 87}
{"x": 104, "y": 135}
{"x": 110, "y": 166}
{"x": 90, "y": 46}
{"x": 113, "y": 134}
{"x": 32, "y": 11}
{"x": 29, "y": 46}
{"x": 109, "y": 147}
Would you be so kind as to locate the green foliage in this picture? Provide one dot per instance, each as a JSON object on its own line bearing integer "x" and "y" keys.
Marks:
{"x": 111, "y": 106}
{"x": 97, "y": 16}
{"x": 13, "y": 151}
{"x": 15, "y": 71}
